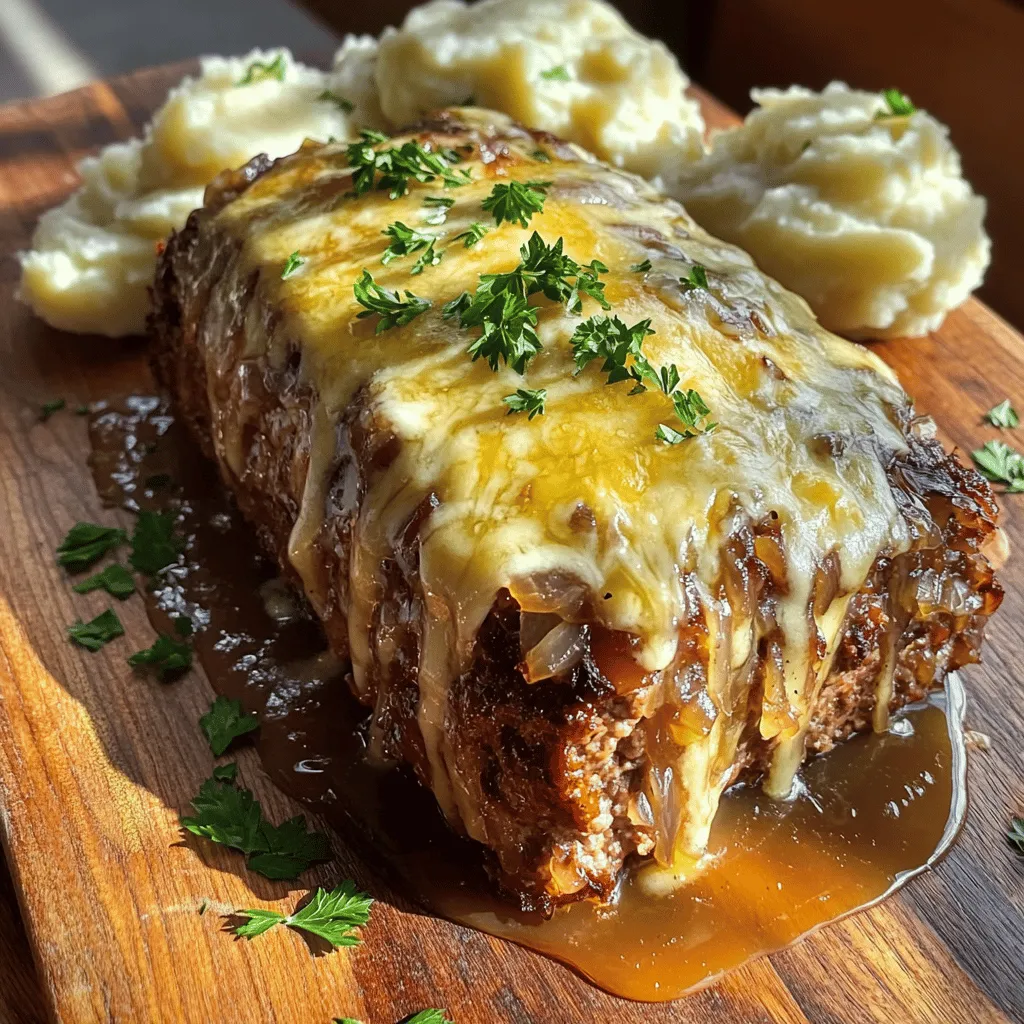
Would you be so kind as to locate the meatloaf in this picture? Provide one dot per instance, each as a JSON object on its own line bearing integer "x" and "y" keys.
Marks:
{"x": 597, "y": 549}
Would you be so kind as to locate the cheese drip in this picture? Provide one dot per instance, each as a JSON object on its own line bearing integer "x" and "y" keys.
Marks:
{"x": 807, "y": 423}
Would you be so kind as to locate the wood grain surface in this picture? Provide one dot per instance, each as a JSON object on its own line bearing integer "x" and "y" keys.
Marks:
{"x": 95, "y": 764}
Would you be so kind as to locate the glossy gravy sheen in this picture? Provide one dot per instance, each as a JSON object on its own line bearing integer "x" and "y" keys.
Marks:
{"x": 870, "y": 815}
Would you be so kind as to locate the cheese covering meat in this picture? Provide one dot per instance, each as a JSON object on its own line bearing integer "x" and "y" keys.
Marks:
{"x": 578, "y": 634}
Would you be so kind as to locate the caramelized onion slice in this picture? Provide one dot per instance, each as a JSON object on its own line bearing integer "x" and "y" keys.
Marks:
{"x": 558, "y": 651}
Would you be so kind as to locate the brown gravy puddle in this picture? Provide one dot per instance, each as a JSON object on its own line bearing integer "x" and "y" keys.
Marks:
{"x": 871, "y": 814}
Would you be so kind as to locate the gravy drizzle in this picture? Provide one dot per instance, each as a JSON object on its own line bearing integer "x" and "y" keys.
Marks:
{"x": 869, "y": 815}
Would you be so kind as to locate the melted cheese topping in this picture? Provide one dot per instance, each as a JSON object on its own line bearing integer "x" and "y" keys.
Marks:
{"x": 508, "y": 487}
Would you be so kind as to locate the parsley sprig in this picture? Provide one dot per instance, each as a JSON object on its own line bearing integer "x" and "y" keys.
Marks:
{"x": 101, "y": 630}
{"x": 330, "y": 915}
{"x": 898, "y": 103}
{"x": 517, "y": 201}
{"x": 225, "y": 722}
{"x": 499, "y": 306}
{"x": 999, "y": 463}
{"x": 329, "y": 96}
{"x": 696, "y": 278}
{"x": 392, "y": 169}
{"x": 394, "y": 311}
{"x": 1003, "y": 415}
{"x": 471, "y": 235}
{"x": 156, "y": 544}
{"x": 86, "y": 543}
{"x": 525, "y": 400}
{"x": 230, "y": 815}
{"x": 1015, "y": 835}
{"x": 620, "y": 349}
{"x": 404, "y": 241}
{"x": 115, "y": 579}
{"x": 167, "y": 657}
{"x": 292, "y": 265}
{"x": 260, "y": 71}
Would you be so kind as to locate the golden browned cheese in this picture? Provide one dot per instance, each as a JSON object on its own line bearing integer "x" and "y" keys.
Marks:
{"x": 655, "y": 517}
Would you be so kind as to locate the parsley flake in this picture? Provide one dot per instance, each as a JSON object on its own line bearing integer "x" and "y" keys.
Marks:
{"x": 155, "y": 542}
{"x": 225, "y": 722}
{"x": 260, "y": 71}
{"x": 167, "y": 657}
{"x": 431, "y": 1016}
{"x": 229, "y": 815}
{"x": 693, "y": 411}
{"x": 1015, "y": 835}
{"x": 404, "y": 241}
{"x": 517, "y": 201}
{"x": 525, "y": 400}
{"x": 101, "y": 630}
{"x": 226, "y": 772}
{"x": 392, "y": 169}
{"x": 697, "y": 278}
{"x": 472, "y": 234}
{"x": 49, "y": 408}
{"x": 428, "y": 258}
{"x": 291, "y": 267}
{"x": 115, "y": 579}
{"x": 392, "y": 308}
{"x": 1003, "y": 415}
{"x": 999, "y": 463}
{"x": 541, "y": 155}
{"x": 344, "y": 105}
{"x": 899, "y": 104}
{"x": 438, "y": 207}
{"x": 641, "y": 268}
{"x": 556, "y": 74}
{"x": 330, "y": 915}
{"x": 86, "y": 543}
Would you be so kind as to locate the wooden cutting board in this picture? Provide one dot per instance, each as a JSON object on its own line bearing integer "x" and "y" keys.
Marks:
{"x": 95, "y": 764}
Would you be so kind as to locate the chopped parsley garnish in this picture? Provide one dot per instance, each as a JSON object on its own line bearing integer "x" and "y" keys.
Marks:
{"x": 115, "y": 579}
{"x": 438, "y": 208}
{"x": 428, "y": 258}
{"x": 167, "y": 657}
{"x": 541, "y": 155}
{"x": 82, "y": 410}
{"x": 899, "y": 104}
{"x": 260, "y": 71}
{"x": 101, "y": 630}
{"x": 404, "y": 241}
{"x": 392, "y": 308}
{"x": 517, "y": 201}
{"x": 156, "y": 543}
{"x": 620, "y": 348}
{"x": 344, "y": 105}
{"x": 697, "y": 278}
{"x": 525, "y": 400}
{"x": 86, "y": 543}
{"x": 231, "y": 816}
{"x": 226, "y": 772}
{"x": 499, "y": 306}
{"x": 292, "y": 265}
{"x": 49, "y": 408}
{"x": 391, "y": 169}
{"x": 332, "y": 916}
{"x": 609, "y": 339}
{"x": 431, "y": 1016}
{"x": 693, "y": 411}
{"x": 1001, "y": 464}
{"x": 1003, "y": 415}
{"x": 641, "y": 268}
{"x": 225, "y": 722}
{"x": 472, "y": 234}
{"x": 556, "y": 74}
{"x": 1015, "y": 835}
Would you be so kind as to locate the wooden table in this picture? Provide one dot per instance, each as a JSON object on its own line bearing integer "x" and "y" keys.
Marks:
{"x": 94, "y": 765}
